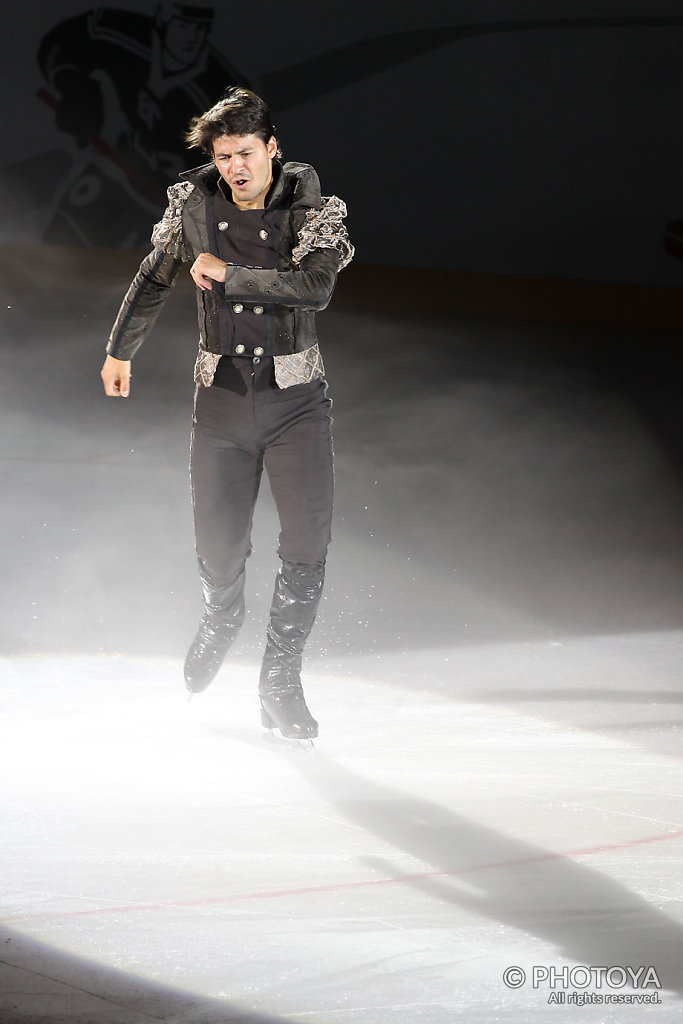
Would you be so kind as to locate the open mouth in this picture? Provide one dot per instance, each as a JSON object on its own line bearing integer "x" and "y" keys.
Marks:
{"x": 239, "y": 182}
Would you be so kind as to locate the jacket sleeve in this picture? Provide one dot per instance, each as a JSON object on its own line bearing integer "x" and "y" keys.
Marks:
{"x": 143, "y": 303}
{"x": 308, "y": 286}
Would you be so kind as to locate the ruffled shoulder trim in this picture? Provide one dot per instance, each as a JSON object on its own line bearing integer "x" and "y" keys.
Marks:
{"x": 167, "y": 235}
{"x": 323, "y": 229}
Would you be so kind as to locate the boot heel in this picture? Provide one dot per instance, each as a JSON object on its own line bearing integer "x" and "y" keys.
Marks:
{"x": 266, "y": 721}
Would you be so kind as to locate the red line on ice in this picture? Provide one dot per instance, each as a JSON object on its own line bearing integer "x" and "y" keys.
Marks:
{"x": 330, "y": 887}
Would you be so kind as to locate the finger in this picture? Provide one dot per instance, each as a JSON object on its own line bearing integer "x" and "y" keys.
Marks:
{"x": 117, "y": 387}
{"x": 201, "y": 281}
{"x": 124, "y": 385}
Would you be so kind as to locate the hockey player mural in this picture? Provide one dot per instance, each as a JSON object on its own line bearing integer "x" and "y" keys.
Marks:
{"x": 124, "y": 85}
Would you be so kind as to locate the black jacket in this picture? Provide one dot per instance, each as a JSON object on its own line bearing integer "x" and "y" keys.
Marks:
{"x": 312, "y": 247}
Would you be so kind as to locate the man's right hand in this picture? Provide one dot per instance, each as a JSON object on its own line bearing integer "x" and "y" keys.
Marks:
{"x": 116, "y": 377}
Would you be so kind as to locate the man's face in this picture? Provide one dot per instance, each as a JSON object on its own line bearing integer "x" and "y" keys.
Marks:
{"x": 245, "y": 163}
{"x": 183, "y": 41}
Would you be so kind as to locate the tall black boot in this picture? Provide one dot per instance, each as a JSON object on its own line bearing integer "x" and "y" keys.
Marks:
{"x": 295, "y": 602}
{"x": 221, "y": 622}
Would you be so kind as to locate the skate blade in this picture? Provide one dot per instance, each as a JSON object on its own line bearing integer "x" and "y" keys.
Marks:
{"x": 270, "y": 736}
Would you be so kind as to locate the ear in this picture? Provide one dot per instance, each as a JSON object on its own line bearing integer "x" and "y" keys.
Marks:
{"x": 271, "y": 148}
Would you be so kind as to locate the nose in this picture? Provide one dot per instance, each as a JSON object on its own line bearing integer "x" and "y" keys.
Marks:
{"x": 192, "y": 32}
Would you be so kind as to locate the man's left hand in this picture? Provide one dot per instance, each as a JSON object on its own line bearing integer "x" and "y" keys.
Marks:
{"x": 207, "y": 268}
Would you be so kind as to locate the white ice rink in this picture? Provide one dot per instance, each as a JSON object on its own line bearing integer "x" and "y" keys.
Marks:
{"x": 163, "y": 861}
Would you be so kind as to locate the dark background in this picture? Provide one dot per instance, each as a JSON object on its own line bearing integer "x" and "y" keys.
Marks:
{"x": 544, "y": 142}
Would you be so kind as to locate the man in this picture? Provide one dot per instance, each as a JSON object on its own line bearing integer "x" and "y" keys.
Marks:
{"x": 265, "y": 250}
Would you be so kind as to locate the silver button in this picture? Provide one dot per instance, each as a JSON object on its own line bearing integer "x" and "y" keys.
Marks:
{"x": 258, "y": 310}
{"x": 239, "y": 349}
{"x": 223, "y": 225}
{"x": 258, "y": 351}
{"x": 238, "y": 307}
{"x": 263, "y": 234}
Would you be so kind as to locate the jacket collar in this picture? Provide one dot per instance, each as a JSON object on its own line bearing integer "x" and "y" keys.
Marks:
{"x": 293, "y": 185}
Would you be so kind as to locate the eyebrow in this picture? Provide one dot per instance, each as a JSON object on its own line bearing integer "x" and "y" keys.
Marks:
{"x": 222, "y": 152}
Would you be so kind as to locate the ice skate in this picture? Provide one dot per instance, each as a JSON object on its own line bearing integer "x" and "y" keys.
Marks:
{"x": 207, "y": 651}
{"x": 220, "y": 624}
{"x": 286, "y": 710}
{"x": 295, "y": 601}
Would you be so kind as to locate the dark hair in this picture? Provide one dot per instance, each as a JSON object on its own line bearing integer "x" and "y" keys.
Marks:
{"x": 239, "y": 112}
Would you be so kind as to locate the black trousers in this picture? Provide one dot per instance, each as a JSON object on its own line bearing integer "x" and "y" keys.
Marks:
{"x": 240, "y": 427}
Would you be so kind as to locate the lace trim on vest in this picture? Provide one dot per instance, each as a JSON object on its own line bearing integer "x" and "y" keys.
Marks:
{"x": 205, "y": 367}
{"x": 299, "y": 367}
{"x": 167, "y": 234}
{"x": 323, "y": 229}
